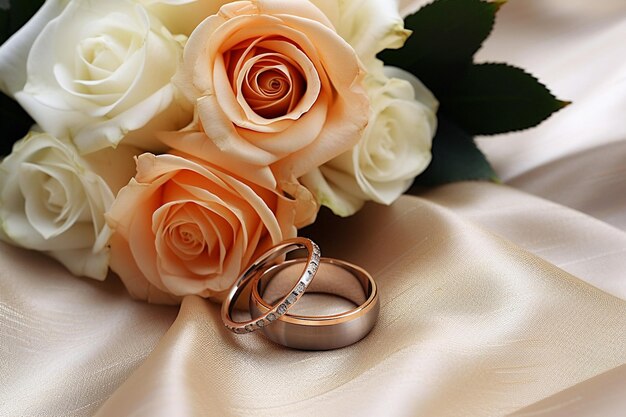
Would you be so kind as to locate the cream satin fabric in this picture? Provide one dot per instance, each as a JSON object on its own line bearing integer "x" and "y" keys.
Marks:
{"x": 470, "y": 325}
{"x": 493, "y": 301}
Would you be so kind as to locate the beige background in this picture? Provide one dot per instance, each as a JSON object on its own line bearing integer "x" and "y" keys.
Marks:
{"x": 492, "y": 299}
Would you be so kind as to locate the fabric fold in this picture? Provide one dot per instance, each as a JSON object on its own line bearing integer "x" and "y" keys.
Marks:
{"x": 470, "y": 324}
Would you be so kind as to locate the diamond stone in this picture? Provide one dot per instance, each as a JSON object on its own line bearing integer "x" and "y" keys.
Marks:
{"x": 271, "y": 317}
{"x": 282, "y": 309}
{"x": 260, "y": 323}
{"x": 300, "y": 288}
{"x": 291, "y": 299}
{"x": 249, "y": 328}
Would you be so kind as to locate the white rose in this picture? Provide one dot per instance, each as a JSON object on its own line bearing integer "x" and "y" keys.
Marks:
{"x": 394, "y": 149}
{"x": 51, "y": 201}
{"x": 97, "y": 72}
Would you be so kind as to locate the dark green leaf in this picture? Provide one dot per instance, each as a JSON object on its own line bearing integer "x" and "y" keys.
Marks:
{"x": 14, "y": 123}
{"x": 498, "y": 98}
{"x": 455, "y": 158}
{"x": 15, "y": 14}
{"x": 446, "y": 35}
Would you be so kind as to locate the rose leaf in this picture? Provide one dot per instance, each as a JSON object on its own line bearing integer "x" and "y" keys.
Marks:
{"x": 455, "y": 158}
{"x": 498, "y": 98}
{"x": 446, "y": 35}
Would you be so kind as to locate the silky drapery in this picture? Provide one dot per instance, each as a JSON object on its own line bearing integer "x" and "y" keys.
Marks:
{"x": 470, "y": 324}
{"x": 494, "y": 301}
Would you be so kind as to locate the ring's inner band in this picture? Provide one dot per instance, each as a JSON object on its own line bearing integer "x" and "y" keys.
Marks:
{"x": 330, "y": 279}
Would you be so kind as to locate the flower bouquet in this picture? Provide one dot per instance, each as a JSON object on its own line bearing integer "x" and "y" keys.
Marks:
{"x": 173, "y": 141}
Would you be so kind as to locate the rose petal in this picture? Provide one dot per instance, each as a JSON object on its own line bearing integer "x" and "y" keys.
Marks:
{"x": 198, "y": 144}
{"x": 341, "y": 202}
{"x": 367, "y": 35}
{"x": 183, "y": 16}
{"x": 84, "y": 263}
{"x": 51, "y": 223}
{"x": 225, "y": 137}
{"x": 138, "y": 288}
{"x": 14, "y": 52}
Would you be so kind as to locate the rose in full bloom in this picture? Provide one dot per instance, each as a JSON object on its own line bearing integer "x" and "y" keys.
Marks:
{"x": 97, "y": 72}
{"x": 393, "y": 151}
{"x": 52, "y": 201}
{"x": 185, "y": 227}
{"x": 275, "y": 85}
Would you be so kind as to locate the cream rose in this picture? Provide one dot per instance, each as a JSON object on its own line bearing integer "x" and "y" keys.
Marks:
{"x": 97, "y": 73}
{"x": 393, "y": 151}
{"x": 275, "y": 86}
{"x": 51, "y": 201}
{"x": 185, "y": 227}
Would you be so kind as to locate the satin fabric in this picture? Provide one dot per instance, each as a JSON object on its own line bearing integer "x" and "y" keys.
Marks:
{"x": 599, "y": 396}
{"x": 493, "y": 301}
{"x": 470, "y": 324}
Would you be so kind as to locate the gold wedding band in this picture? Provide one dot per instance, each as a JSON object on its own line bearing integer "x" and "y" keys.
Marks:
{"x": 318, "y": 332}
{"x": 273, "y": 312}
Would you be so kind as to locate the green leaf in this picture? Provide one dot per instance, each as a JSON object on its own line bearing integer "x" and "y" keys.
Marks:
{"x": 455, "y": 158}
{"x": 14, "y": 14}
{"x": 498, "y": 98}
{"x": 14, "y": 123}
{"x": 446, "y": 35}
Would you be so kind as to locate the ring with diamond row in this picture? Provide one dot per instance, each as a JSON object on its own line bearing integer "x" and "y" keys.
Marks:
{"x": 273, "y": 312}
{"x": 318, "y": 332}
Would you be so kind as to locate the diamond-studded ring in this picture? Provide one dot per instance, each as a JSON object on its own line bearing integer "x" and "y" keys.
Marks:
{"x": 281, "y": 307}
{"x": 318, "y": 332}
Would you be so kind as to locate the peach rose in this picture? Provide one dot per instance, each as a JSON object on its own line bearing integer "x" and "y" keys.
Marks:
{"x": 183, "y": 227}
{"x": 275, "y": 86}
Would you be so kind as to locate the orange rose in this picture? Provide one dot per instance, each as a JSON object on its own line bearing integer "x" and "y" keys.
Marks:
{"x": 275, "y": 86}
{"x": 182, "y": 227}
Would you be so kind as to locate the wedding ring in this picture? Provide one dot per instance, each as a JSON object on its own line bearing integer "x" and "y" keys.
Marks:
{"x": 272, "y": 313}
{"x": 318, "y": 332}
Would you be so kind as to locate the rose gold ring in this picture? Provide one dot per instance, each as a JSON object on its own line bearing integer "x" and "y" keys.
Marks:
{"x": 274, "y": 312}
{"x": 318, "y": 332}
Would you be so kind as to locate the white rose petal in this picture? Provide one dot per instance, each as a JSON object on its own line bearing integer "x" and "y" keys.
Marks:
{"x": 183, "y": 16}
{"x": 395, "y": 148}
{"x": 100, "y": 72}
{"x": 408, "y": 7}
{"x": 369, "y": 26}
{"x": 344, "y": 200}
{"x": 14, "y": 52}
{"x": 422, "y": 93}
{"x": 51, "y": 201}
